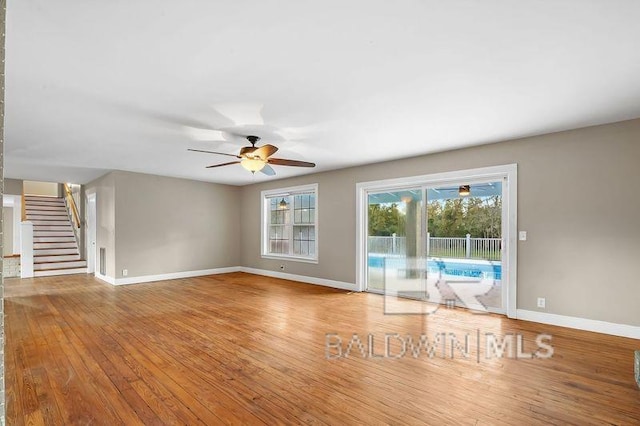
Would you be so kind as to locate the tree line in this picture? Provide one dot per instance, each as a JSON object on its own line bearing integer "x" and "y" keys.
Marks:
{"x": 478, "y": 216}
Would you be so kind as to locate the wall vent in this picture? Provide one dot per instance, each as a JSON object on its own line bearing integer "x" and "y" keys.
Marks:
{"x": 103, "y": 261}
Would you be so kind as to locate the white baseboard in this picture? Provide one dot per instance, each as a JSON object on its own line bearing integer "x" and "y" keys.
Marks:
{"x": 164, "y": 277}
{"x": 104, "y": 278}
{"x": 301, "y": 278}
{"x": 623, "y": 330}
{"x": 188, "y": 274}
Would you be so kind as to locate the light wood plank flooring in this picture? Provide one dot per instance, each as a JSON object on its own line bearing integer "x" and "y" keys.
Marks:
{"x": 245, "y": 349}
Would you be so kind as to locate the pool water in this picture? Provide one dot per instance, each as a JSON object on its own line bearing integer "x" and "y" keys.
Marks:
{"x": 454, "y": 267}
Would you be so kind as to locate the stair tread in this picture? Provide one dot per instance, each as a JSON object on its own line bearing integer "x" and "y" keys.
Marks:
{"x": 53, "y": 242}
{"x": 60, "y": 269}
{"x": 43, "y": 203}
{"x": 61, "y": 261}
{"x": 69, "y": 252}
{"x": 51, "y": 217}
{"x": 43, "y": 233}
{"x": 48, "y": 226}
{"x": 51, "y": 222}
{"x": 55, "y": 248}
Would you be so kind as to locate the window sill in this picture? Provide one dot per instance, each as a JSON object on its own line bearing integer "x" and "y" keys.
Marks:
{"x": 290, "y": 258}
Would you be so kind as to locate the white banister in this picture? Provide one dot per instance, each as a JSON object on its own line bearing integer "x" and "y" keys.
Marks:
{"x": 26, "y": 250}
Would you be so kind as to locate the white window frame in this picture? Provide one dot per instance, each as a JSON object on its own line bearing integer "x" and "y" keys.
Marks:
{"x": 264, "y": 225}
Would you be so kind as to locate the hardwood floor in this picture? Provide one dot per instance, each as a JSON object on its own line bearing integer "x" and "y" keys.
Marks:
{"x": 245, "y": 349}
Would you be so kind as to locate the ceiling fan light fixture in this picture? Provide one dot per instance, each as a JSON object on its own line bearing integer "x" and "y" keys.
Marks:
{"x": 254, "y": 164}
{"x": 257, "y": 159}
{"x": 464, "y": 190}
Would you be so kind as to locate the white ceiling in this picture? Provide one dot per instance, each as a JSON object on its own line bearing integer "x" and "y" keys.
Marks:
{"x": 94, "y": 86}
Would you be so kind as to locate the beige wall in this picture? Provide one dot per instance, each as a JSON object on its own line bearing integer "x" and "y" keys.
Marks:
{"x": 574, "y": 200}
{"x": 13, "y": 186}
{"x": 156, "y": 225}
{"x": 105, "y": 190}
{"x": 51, "y": 189}
{"x": 7, "y": 231}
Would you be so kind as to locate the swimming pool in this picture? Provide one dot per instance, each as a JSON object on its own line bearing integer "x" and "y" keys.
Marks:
{"x": 455, "y": 267}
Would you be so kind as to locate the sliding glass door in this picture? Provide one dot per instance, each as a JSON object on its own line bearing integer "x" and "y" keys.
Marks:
{"x": 438, "y": 243}
{"x": 464, "y": 243}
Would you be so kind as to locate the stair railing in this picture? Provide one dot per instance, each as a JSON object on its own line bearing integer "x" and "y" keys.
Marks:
{"x": 73, "y": 208}
{"x": 72, "y": 204}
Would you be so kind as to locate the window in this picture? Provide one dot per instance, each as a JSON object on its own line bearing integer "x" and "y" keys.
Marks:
{"x": 290, "y": 223}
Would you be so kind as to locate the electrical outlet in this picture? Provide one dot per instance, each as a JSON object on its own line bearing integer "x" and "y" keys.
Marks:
{"x": 522, "y": 235}
{"x": 282, "y": 267}
{"x": 542, "y": 302}
{"x": 125, "y": 272}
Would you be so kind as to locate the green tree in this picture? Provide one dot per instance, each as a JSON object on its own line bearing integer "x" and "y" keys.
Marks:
{"x": 385, "y": 220}
{"x": 478, "y": 216}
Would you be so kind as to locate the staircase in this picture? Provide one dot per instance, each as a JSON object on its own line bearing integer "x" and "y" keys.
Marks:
{"x": 55, "y": 248}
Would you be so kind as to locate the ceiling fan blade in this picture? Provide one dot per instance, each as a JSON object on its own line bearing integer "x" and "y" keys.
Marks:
{"x": 223, "y": 164}
{"x": 294, "y": 163}
{"x": 268, "y": 170}
{"x": 212, "y": 152}
{"x": 265, "y": 151}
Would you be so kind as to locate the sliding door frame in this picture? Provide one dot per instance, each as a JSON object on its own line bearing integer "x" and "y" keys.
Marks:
{"x": 507, "y": 174}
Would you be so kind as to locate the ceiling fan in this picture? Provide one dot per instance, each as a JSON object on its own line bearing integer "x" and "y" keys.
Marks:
{"x": 256, "y": 159}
